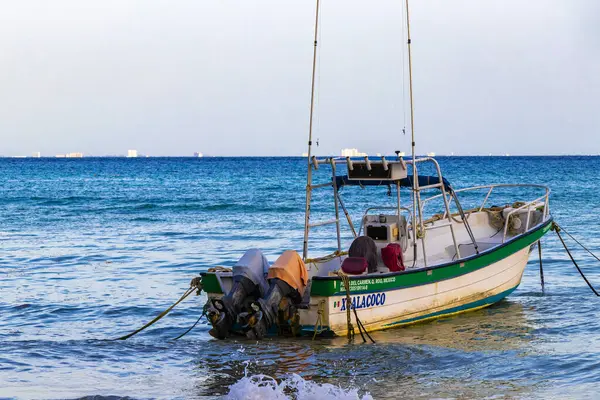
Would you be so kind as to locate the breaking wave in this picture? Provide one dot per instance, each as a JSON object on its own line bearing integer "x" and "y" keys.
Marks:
{"x": 258, "y": 387}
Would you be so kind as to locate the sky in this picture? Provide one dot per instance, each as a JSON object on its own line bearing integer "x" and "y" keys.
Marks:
{"x": 232, "y": 77}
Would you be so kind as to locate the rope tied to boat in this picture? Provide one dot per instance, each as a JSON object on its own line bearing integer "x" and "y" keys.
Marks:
{"x": 579, "y": 243}
{"x": 497, "y": 220}
{"x": 326, "y": 258}
{"x": 195, "y": 285}
{"x": 346, "y": 282}
{"x": 556, "y": 228}
{"x": 204, "y": 309}
{"x": 220, "y": 269}
{"x": 361, "y": 328}
{"x": 319, "y": 322}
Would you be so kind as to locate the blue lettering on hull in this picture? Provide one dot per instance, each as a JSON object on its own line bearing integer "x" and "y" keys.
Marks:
{"x": 364, "y": 301}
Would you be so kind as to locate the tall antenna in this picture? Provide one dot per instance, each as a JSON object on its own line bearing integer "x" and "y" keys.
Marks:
{"x": 410, "y": 86}
{"x": 412, "y": 134}
{"x": 310, "y": 132}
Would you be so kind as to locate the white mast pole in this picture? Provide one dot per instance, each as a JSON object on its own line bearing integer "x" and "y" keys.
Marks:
{"x": 412, "y": 129}
{"x": 410, "y": 83}
{"x": 310, "y": 131}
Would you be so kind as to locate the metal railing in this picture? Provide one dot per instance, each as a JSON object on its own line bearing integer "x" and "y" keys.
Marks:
{"x": 418, "y": 207}
{"x": 544, "y": 198}
{"x": 336, "y": 199}
{"x": 417, "y": 226}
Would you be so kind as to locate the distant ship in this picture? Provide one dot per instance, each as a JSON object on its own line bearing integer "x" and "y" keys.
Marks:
{"x": 431, "y": 154}
{"x": 352, "y": 153}
{"x": 198, "y": 154}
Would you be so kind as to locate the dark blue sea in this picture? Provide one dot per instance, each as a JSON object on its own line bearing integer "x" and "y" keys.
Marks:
{"x": 91, "y": 249}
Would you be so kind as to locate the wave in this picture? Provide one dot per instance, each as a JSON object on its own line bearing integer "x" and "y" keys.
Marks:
{"x": 291, "y": 387}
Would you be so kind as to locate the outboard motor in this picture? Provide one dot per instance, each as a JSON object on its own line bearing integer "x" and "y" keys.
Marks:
{"x": 249, "y": 284}
{"x": 287, "y": 282}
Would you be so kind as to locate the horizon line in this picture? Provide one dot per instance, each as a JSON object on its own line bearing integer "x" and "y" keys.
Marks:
{"x": 300, "y": 156}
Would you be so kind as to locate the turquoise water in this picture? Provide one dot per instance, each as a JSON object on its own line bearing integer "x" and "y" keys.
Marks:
{"x": 93, "y": 248}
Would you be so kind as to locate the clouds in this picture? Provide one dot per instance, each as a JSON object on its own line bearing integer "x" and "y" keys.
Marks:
{"x": 233, "y": 77}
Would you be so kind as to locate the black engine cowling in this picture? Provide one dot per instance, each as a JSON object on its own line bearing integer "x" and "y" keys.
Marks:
{"x": 249, "y": 284}
{"x": 287, "y": 279}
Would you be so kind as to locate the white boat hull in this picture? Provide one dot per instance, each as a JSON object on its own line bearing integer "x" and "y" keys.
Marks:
{"x": 404, "y": 306}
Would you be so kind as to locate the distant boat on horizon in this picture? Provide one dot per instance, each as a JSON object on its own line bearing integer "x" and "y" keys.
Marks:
{"x": 352, "y": 153}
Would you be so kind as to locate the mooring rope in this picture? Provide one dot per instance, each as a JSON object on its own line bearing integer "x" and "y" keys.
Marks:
{"x": 195, "y": 285}
{"x": 557, "y": 229}
{"x": 358, "y": 324}
{"x": 346, "y": 282}
{"x": 191, "y": 327}
{"x": 579, "y": 243}
{"x": 361, "y": 328}
{"x": 319, "y": 323}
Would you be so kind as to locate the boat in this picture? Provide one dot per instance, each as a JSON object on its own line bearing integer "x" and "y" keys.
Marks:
{"x": 423, "y": 258}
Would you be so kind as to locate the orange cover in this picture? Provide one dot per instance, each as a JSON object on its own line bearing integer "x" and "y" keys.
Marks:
{"x": 290, "y": 268}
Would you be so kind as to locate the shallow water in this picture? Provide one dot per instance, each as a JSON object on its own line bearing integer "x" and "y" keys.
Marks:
{"x": 93, "y": 248}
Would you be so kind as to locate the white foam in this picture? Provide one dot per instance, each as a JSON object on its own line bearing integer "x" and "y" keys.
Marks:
{"x": 258, "y": 387}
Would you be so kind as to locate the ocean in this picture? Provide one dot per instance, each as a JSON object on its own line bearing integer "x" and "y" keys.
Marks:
{"x": 92, "y": 248}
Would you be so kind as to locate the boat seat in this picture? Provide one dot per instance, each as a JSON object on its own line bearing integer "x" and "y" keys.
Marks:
{"x": 355, "y": 265}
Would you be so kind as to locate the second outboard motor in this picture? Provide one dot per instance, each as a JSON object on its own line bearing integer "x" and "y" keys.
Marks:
{"x": 287, "y": 282}
{"x": 249, "y": 284}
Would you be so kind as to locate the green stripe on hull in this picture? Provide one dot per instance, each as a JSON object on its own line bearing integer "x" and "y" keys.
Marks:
{"x": 210, "y": 283}
{"x": 332, "y": 286}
